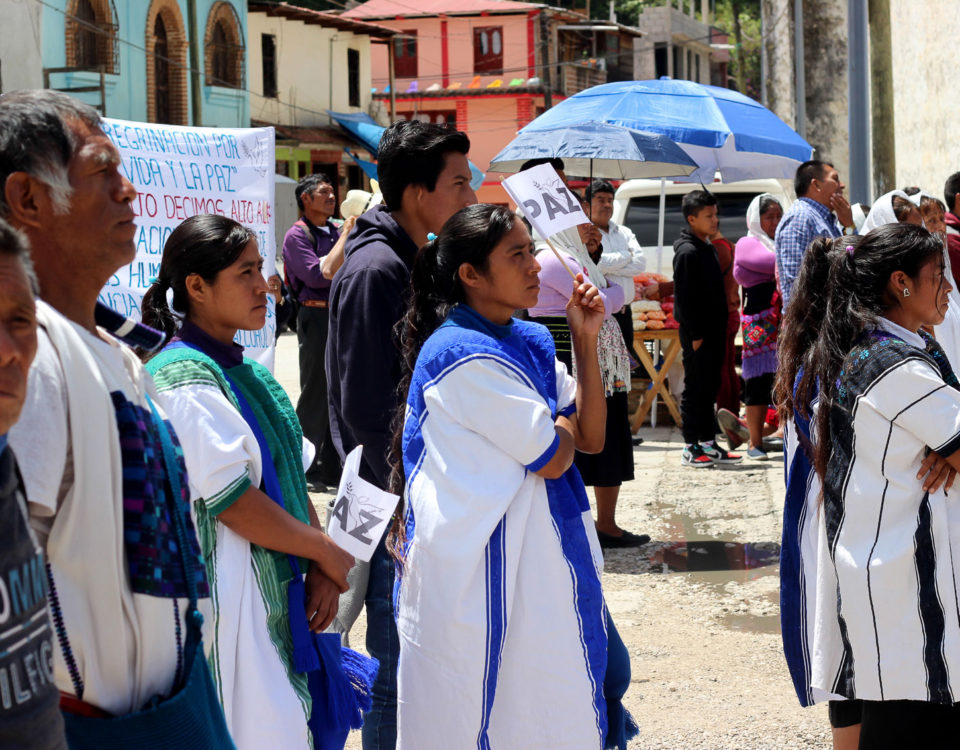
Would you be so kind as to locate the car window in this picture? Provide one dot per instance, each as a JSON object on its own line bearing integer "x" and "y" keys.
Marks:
{"x": 643, "y": 216}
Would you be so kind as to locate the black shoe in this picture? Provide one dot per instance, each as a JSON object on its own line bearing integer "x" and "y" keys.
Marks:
{"x": 637, "y": 440}
{"x": 627, "y": 539}
{"x": 315, "y": 485}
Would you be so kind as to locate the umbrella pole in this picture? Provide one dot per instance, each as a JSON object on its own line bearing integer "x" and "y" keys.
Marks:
{"x": 663, "y": 211}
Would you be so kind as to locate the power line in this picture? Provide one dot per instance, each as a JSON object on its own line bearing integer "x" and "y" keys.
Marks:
{"x": 171, "y": 61}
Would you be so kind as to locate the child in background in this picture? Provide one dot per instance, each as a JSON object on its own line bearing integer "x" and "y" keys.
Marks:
{"x": 701, "y": 310}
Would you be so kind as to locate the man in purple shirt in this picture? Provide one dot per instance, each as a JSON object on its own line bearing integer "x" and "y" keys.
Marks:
{"x": 306, "y": 243}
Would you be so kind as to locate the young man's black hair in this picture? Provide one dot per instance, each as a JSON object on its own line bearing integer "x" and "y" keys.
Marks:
{"x": 951, "y": 189}
{"x": 413, "y": 153}
{"x": 806, "y": 174}
{"x": 695, "y": 201}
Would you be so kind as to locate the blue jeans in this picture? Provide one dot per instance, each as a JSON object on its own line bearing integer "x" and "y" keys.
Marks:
{"x": 380, "y": 722}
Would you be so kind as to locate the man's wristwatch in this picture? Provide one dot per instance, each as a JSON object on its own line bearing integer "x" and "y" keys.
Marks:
{"x": 849, "y": 230}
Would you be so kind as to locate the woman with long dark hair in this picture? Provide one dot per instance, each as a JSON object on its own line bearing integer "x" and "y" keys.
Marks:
{"x": 498, "y": 553}
{"x": 244, "y": 453}
{"x": 883, "y": 406}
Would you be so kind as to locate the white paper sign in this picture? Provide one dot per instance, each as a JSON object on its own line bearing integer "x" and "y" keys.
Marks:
{"x": 545, "y": 200}
{"x": 361, "y": 511}
{"x": 180, "y": 172}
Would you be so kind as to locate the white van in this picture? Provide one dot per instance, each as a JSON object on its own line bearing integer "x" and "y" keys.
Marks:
{"x": 637, "y": 205}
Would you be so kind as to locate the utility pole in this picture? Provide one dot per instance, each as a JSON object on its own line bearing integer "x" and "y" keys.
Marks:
{"x": 545, "y": 61}
{"x": 393, "y": 80}
{"x": 798, "y": 64}
{"x": 881, "y": 101}
{"x": 196, "y": 95}
{"x": 858, "y": 72}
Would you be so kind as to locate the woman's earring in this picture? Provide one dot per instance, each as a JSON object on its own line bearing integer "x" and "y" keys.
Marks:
{"x": 906, "y": 292}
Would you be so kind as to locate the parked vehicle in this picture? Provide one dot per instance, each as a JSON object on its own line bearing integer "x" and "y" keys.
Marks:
{"x": 637, "y": 205}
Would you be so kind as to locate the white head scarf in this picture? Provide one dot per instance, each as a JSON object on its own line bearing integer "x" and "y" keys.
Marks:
{"x": 882, "y": 211}
{"x": 753, "y": 221}
{"x": 858, "y": 216}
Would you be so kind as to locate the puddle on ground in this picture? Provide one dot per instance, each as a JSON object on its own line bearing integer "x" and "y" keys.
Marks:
{"x": 717, "y": 563}
{"x": 715, "y": 555}
{"x": 752, "y": 623}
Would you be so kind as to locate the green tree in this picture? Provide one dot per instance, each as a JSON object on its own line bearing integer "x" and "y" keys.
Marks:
{"x": 741, "y": 19}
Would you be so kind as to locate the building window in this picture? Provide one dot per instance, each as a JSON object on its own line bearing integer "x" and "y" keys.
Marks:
{"x": 91, "y": 35}
{"x": 660, "y": 67}
{"x": 166, "y": 45}
{"x": 696, "y": 61}
{"x": 161, "y": 70}
{"x": 223, "y": 47}
{"x": 353, "y": 77}
{"x": 405, "y": 54}
{"x": 488, "y": 50}
{"x": 268, "y": 54}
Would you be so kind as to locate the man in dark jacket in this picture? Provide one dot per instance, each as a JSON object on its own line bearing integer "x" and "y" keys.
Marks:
{"x": 425, "y": 179}
{"x": 701, "y": 310}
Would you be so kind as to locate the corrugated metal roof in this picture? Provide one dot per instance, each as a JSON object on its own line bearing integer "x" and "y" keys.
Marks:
{"x": 332, "y": 20}
{"x": 411, "y": 8}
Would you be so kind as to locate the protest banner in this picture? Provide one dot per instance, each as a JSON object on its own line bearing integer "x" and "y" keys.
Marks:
{"x": 180, "y": 172}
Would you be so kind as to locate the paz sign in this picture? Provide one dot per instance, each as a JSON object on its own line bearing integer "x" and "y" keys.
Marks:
{"x": 545, "y": 200}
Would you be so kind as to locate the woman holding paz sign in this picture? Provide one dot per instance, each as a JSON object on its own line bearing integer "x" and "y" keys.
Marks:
{"x": 500, "y": 611}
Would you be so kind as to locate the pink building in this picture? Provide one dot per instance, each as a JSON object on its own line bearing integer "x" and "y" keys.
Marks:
{"x": 489, "y": 66}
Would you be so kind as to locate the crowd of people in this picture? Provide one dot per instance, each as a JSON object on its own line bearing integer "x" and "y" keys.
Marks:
{"x": 169, "y": 582}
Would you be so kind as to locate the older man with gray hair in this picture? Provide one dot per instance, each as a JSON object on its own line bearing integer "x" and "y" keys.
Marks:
{"x": 102, "y": 499}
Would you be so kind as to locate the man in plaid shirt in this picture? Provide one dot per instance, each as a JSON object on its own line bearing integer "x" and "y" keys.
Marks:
{"x": 820, "y": 211}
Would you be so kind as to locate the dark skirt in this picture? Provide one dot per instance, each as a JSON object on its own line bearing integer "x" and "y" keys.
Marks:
{"x": 614, "y": 464}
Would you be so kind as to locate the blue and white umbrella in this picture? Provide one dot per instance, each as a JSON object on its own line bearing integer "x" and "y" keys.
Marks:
{"x": 598, "y": 150}
{"x": 720, "y": 129}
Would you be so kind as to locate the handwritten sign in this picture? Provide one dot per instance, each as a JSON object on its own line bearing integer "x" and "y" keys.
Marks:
{"x": 361, "y": 511}
{"x": 180, "y": 172}
{"x": 545, "y": 200}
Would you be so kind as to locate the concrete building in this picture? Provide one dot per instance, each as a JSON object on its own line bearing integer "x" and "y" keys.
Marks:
{"x": 21, "y": 46}
{"x": 678, "y": 45}
{"x": 303, "y": 63}
{"x": 911, "y": 81}
{"x": 489, "y": 67}
{"x": 130, "y": 58}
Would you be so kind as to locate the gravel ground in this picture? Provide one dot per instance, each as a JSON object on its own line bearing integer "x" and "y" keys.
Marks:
{"x": 700, "y": 620}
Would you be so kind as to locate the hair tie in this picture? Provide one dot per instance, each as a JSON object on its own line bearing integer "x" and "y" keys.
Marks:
{"x": 850, "y": 250}
{"x": 431, "y": 236}
{"x": 153, "y": 279}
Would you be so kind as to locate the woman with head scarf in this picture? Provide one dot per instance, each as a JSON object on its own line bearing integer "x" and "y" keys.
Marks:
{"x": 754, "y": 268}
{"x": 892, "y": 208}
